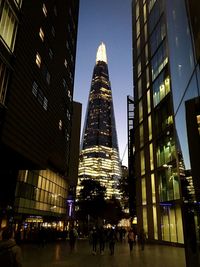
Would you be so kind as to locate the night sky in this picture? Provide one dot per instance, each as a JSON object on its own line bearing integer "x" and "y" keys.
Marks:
{"x": 107, "y": 21}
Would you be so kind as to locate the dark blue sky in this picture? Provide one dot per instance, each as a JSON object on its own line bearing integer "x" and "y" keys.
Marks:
{"x": 107, "y": 21}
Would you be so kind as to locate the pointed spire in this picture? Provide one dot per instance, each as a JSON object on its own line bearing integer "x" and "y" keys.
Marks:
{"x": 101, "y": 53}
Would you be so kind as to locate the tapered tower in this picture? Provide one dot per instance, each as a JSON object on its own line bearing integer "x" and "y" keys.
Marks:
{"x": 99, "y": 157}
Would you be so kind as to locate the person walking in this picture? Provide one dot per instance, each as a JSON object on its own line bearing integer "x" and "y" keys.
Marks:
{"x": 102, "y": 240}
{"x": 10, "y": 252}
{"x": 131, "y": 238}
{"x": 94, "y": 236}
{"x": 73, "y": 234}
{"x": 112, "y": 238}
{"x": 142, "y": 238}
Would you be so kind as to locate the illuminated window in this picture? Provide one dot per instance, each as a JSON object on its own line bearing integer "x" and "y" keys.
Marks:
{"x": 137, "y": 27}
{"x": 138, "y": 46}
{"x": 140, "y": 111}
{"x": 145, "y": 12}
{"x": 137, "y": 8}
{"x": 60, "y": 125}
{"x": 141, "y": 135}
{"x": 145, "y": 221}
{"x": 153, "y": 188}
{"x": 198, "y": 123}
{"x": 65, "y": 63}
{"x": 4, "y": 74}
{"x": 38, "y": 60}
{"x": 148, "y": 101}
{"x": 155, "y": 222}
{"x": 146, "y": 54}
{"x": 144, "y": 194}
{"x": 139, "y": 66}
{"x": 139, "y": 88}
{"x": 142, "y": 162}
{"x": 150, "y": 127}
{"x": 151, "y": 156}
{"x": 147, "y": 76}
{"x": 44, "y": 9}
{"x": 41, "y": 34}
{"x": 8, "y": 23}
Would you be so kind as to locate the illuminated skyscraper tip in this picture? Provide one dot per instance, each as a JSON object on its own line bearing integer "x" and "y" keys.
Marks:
{"x": 101, "y": 53}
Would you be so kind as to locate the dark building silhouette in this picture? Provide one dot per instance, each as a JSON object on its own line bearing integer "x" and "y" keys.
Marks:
{"x": 37, "y": 61}
{"x": 166, "y": 86}
{"x": 99, "y": 157}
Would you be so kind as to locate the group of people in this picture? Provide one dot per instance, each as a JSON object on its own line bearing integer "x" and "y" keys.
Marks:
{"x": 100, "y": 236}
{"x": 10, "y": 252}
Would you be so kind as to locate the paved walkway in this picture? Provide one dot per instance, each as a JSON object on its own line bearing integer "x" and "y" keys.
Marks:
{"x": 58, "y": 255}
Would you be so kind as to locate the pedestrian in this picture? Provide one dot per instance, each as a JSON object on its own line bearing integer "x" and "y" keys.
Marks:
{"x": 142, "y": 238}
{"x": 73, "y": 235}
{"x": 10, "y": 252}
{"x": 112, "y": 238}
{"x": 94, "y": 236}
{"x": 102, "y": 240}
{"x": 131, "y": 238}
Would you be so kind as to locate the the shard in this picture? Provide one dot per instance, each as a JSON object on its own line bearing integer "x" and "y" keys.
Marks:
{"x": 99, "y": 157}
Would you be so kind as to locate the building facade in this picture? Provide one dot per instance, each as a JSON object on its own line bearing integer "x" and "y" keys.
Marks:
{"x": 166, "y": 75}
{"x": 99, "y": 157}
{"x": 38, "y": 48}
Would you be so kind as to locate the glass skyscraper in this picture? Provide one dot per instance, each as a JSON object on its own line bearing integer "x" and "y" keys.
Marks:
{"x": 99, "y": 157}
{"x": 166, "y": 120}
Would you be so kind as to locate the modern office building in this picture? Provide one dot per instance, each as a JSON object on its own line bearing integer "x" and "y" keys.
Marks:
{"x": 166, "y": 75}
{"x": 37, "y": 53}
{"x": 99, "y": 157}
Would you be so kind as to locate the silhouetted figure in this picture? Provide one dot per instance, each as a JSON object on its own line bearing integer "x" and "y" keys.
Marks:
{"x": 112, "y": 238}
{"x": 102, "y": 240}
{"x": 142, "y": 238}
{"x": 10, "y": 252}
{"x": 131, "y": 238}
{"x": 73, "y": 234}
{"x": 94, "y": 236}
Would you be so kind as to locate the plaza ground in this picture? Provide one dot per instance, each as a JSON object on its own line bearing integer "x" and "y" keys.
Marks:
{"x": 58, "y": 254}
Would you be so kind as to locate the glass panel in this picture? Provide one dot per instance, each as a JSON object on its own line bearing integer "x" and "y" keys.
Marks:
{"x": 172, "y": 219}
{"x": 140, "y": 111}
{"x": 151, "y": 156}
{"x": 150, "y": 127}
{"x": 153, "y": 189}
{"x": 145, "y": 222}
{"x": 155, "y": 222}
{"x": 142, "y": 161}
{"x": 144, "y": 194}
{"x": 141, "y": 135}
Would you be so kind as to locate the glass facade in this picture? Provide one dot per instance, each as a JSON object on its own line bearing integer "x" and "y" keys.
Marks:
{"x": 99, "y": 157}
{"x": 161, "y": 85}
{"x": 41, "y": 193}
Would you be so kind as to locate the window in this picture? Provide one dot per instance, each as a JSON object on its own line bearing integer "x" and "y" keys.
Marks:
{"x": 38, "y": 60}
{"x": 41, "y": 34}
{"x": 68, "y": 115}
{"x": 140, "y": 111}
{"x": 4, "y": 74}
{"x": 65, "y": 63}
{"x": 151, "y": 156}
{"x": 139, "y": 85}
{"x": 137, "y": 27}
{"x": 60, "y": 125}
{"x": 37, "y": 92}
{"x": 50, "y": 53}
{"x": 8, "y": 25}
{"x": 144, "y": 194}
{"x": 48, "y": 77}
{"x": 44, "y": 9}
{"x": 142, "y": 162}
{"x": 35, "y": 88}
{"x": 141, "y": 135}
{"x": 153, "y": 188}
{"x": 150, "y": 127}
{"x": 148, "y": 101}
